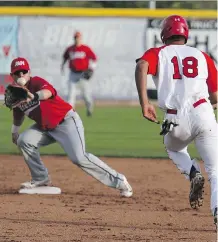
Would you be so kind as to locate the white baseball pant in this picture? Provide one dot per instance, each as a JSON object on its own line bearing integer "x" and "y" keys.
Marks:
{"x": 198, "y": 125}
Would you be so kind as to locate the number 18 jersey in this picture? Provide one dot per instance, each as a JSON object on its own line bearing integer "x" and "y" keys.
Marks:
{"x": 182, "y": 75}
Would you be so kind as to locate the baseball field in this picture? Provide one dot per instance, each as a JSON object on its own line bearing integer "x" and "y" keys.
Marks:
{"x": 89, "y": 211}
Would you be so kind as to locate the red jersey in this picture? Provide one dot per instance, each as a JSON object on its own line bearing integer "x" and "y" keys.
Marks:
{"x": 46, "y": 113}
{"x": 79, "y": 57}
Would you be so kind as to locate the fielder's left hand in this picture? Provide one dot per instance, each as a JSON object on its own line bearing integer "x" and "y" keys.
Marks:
{"x": 88, "y": 74}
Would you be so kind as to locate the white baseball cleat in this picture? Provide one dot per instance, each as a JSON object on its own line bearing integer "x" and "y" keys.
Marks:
{"x": 33, "y": 184}
{"x": 126, "y": 189}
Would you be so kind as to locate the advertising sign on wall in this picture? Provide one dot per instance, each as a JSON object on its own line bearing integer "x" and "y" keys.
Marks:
{"x": 202, "y": 35}
{"x": 116, "y": 41}
{"x": 8, "y": 49}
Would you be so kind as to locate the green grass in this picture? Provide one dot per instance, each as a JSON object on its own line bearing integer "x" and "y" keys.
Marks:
{"x": 112, "y": 131}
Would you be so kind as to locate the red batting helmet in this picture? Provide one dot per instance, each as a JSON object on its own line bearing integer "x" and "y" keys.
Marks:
{"x": 174, "y": 25}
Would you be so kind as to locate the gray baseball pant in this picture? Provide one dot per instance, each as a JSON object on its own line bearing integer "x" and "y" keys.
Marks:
{"x": 70, "y": 135}
{"x": 76, "y": 81}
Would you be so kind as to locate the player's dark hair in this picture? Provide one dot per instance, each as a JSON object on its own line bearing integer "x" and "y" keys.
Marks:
{"x": 176, "y": 38}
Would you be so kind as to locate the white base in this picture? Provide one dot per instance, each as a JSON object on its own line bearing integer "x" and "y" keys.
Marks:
{"x": 40, "y": 190}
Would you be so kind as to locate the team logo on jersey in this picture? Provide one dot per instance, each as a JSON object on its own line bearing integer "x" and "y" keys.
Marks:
{"x": 77, "y": 55}
{"x": 28, "y": 106}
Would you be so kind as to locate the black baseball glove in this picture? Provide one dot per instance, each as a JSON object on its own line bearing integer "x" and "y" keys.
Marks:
{"x": 14, "y": 95}
{"x": 87, "y": 74}
{"x": 167, "y": 126}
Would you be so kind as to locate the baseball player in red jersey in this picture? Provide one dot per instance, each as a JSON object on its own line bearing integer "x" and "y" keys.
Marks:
{"x": 82, "y": 62}
{"x": 55, "y": 121}
{"x": 186, "y": 82}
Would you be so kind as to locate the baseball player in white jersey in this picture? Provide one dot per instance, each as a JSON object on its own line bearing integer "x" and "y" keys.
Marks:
{"x": 82, "y": 62}
{"x": 186, "y": 82}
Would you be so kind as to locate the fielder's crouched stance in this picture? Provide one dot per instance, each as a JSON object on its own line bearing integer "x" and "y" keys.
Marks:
{"x": 186, "y": 81}
{"x": 55, "y": 121}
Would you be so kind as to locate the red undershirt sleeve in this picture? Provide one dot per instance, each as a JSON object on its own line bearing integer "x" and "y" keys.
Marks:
{"x": 151, "y": 56}
{"x": 212, "y": 74}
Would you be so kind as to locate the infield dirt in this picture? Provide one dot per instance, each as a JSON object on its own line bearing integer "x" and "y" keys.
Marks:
{"x": 89, "y": 211}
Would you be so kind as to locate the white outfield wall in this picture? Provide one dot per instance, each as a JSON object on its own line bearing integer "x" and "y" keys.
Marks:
{"x": 118, "y": 37}
{"x": 116, "y": 41}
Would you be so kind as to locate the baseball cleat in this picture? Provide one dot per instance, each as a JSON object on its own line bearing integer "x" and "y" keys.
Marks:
{"x": 89, "y": 113}
{"x": 196, "y": 191}
{"x": 215, "y": 217}
{"x": 33, "y": 184}
{"x": 126, "y": 189}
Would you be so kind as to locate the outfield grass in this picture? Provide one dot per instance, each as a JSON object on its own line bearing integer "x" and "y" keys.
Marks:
{"x": 112, "y": 131}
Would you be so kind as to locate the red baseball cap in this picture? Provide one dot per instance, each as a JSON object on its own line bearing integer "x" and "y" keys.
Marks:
{"x": 19, "y": 64}
{"x": 77, "y": 34}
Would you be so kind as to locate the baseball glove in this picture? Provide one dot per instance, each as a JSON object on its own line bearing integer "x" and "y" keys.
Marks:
{"x": 87, "y": 74}
{"x": 14, "y": 95}
{"x": 167, "y": 126}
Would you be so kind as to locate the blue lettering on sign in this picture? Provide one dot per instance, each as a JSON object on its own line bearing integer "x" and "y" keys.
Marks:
{"x": 6, "y": 29}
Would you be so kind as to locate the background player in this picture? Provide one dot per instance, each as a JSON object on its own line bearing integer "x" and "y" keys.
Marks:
{"x": 55, "y": 121}
{"x": 186, "y": 79}
{"x": 82, "y": 62}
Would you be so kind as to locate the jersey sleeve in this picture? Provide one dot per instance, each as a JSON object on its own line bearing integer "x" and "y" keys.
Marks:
{"x": 66, "y": 54}
{"x": 151, "y": 56}
{"x": 41, "y": 84}
{"x": 212, "y": 74}
{"x": 91, "y": 55}
{"x": 18, "y": 114}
